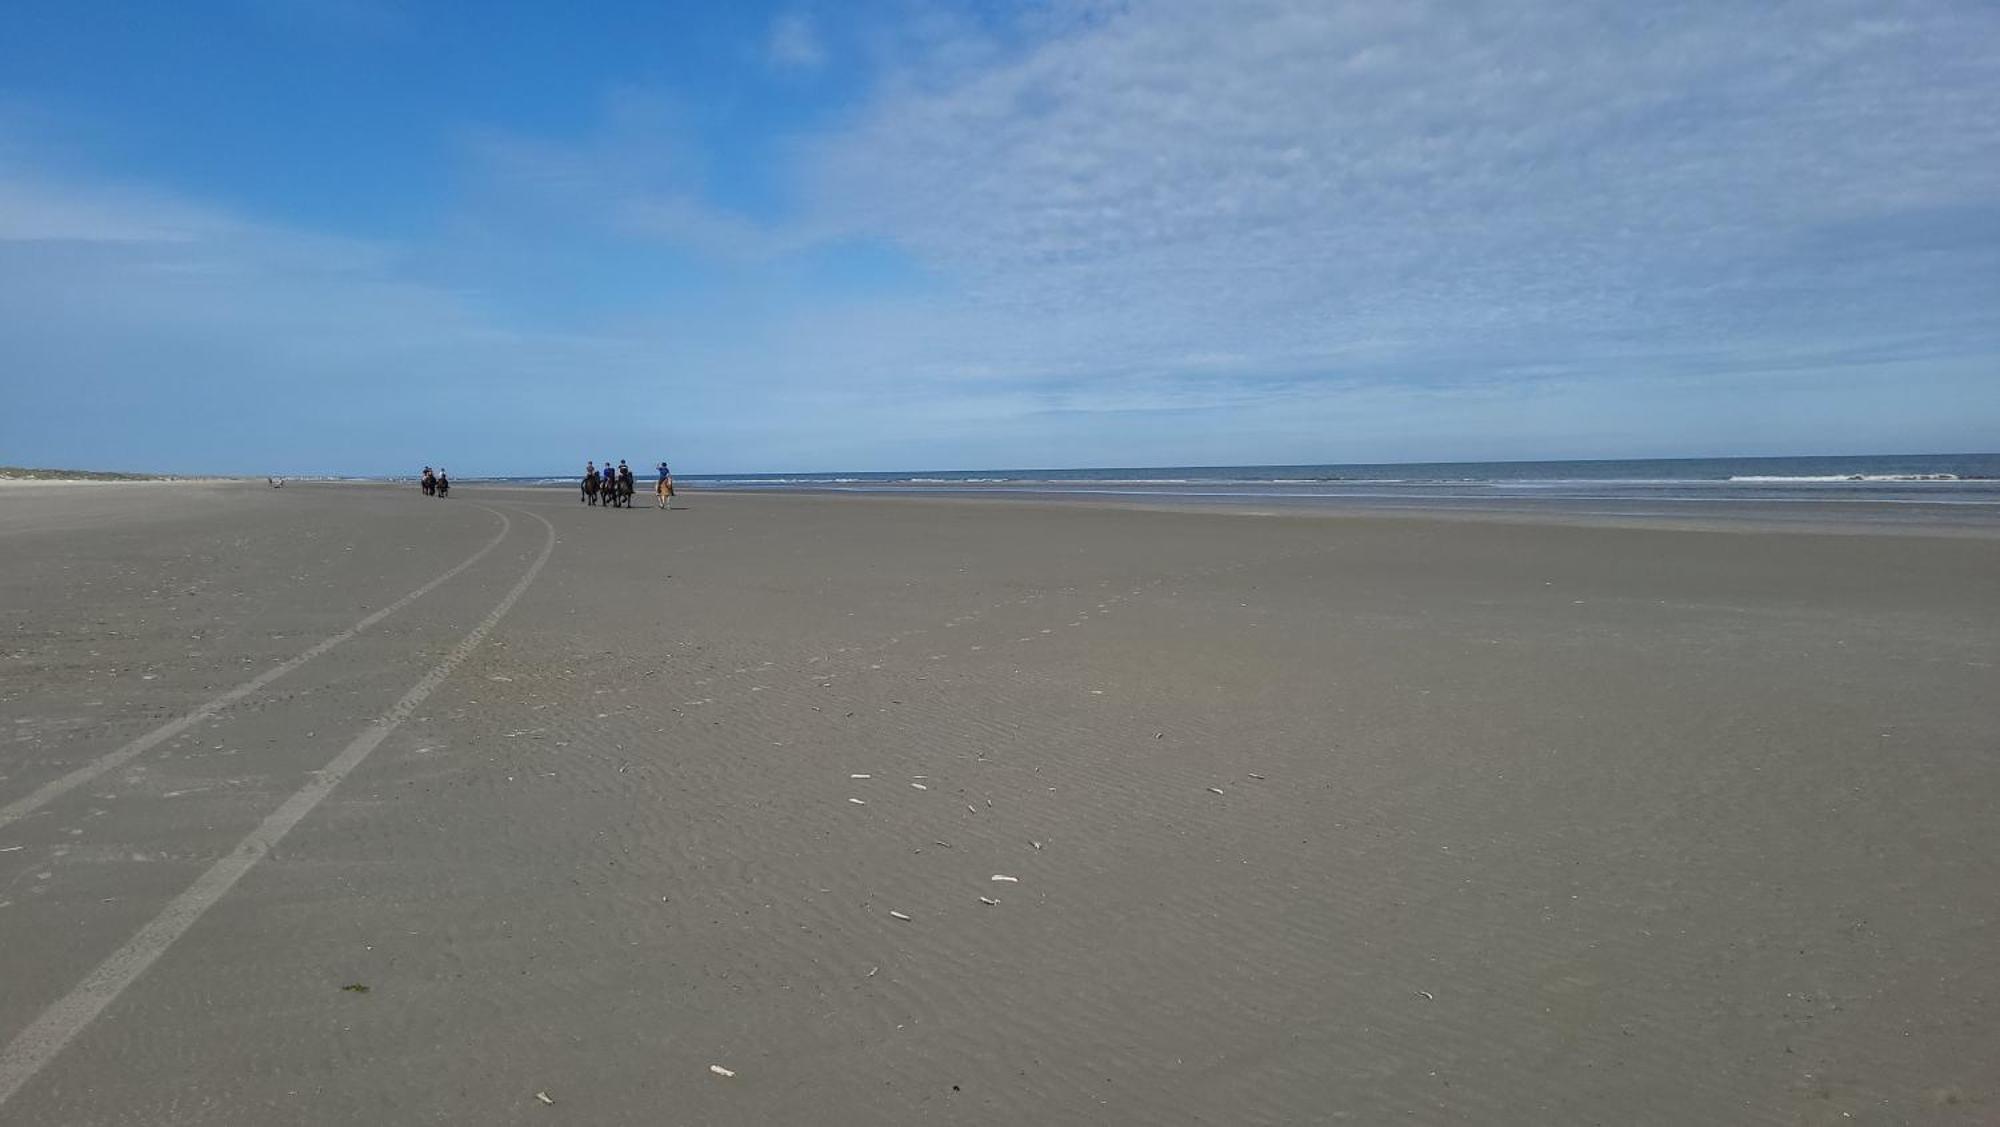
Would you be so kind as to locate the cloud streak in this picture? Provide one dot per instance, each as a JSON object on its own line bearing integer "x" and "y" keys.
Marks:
{"x": 795, "y": 43}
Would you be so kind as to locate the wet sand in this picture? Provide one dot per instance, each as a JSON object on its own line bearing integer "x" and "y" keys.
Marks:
{"x": 1362, "y": 819}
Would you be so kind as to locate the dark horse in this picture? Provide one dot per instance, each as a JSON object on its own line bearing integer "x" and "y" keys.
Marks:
{"x": 590, "y": 486}
{"x": 611, "y": 492}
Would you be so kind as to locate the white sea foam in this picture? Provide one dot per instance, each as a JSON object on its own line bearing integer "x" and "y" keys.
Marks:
{"x": 1831, "y": 478}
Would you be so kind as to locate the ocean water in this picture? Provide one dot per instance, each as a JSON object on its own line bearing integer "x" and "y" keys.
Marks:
{"x": 1970, "y": 481}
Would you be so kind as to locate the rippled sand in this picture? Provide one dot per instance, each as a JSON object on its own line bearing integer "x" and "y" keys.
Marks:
{"x": 1311, "y": 818}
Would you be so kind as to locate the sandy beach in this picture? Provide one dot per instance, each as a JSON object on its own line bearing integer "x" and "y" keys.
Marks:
{"x": 556, "y": 815}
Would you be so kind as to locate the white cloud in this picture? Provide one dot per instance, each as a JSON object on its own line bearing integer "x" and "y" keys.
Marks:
{"x": 1344, "y": 187}
{"x": 637, "y": 174}
{"x": 795, "y": 43}
{"x": 95, "y": 214}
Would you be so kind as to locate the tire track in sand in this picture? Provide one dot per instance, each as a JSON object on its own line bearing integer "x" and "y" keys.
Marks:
{"x": 50, "y": 1033}
{"x": 56, "y": 788}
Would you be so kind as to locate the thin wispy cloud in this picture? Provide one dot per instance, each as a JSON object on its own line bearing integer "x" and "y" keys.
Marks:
{"x": 795, "y": 43}
{"x": 53, "y": 212}
{"x": 1292, "y": 181}
{"x": 638, "y": 173}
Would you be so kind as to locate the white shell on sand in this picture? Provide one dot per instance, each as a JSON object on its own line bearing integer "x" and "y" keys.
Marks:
{"x": 719, "y": 1070}
{"x": 1005, "y": 877}
{"x": 900, "y": 916}
{"x": 858, "y": 801}
{"x": 988, "y": 901}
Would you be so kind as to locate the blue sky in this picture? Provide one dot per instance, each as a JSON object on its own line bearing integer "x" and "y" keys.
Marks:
{"x": 362, "y": 235}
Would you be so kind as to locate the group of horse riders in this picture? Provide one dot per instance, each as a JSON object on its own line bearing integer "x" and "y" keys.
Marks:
{"x": 613, "y": 486}
{"x": 435, "y": 483}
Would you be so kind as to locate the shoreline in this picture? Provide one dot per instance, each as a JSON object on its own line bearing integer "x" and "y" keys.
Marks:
{"x": 1805, "y": 516}
{"x": 1853, "y": 519}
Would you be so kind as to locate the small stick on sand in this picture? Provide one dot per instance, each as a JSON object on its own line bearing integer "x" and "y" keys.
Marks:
{"x": 920, "y": 786}
{"x": 899, "y": 916}
{"x": 860, "y": 776}
{"x": 719, "y": 1070}
{"x": 1255, "y": 775}
{"x": 1216, "y": 790}
{"x": 988, "y": 901}
{"x": 858, "y": 801}
{"x": 544, "y": 1097}
{"x": 1006, "y": 878}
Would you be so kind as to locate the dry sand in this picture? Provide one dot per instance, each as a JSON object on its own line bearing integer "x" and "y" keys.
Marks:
{"x": 1363, "y": 820}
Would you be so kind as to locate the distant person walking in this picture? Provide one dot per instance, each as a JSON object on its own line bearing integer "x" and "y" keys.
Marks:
{"x": 663, "y": 490}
